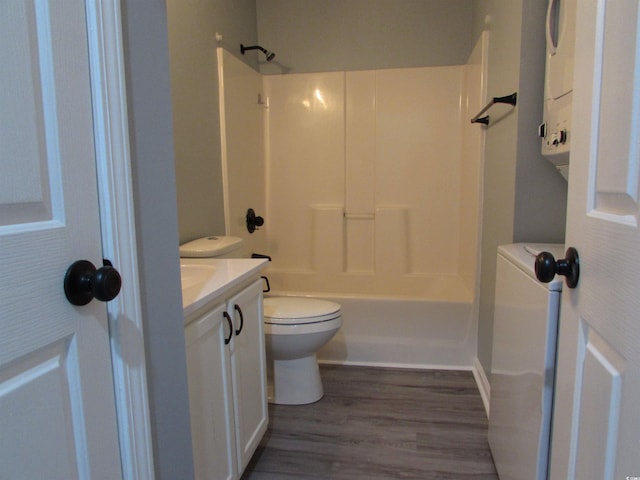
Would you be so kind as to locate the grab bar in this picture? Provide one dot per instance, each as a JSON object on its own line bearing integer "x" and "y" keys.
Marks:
{"x": 509, "y": 99}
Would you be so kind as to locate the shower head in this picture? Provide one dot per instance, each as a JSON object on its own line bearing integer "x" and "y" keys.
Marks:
{"x": 268, "y": 54}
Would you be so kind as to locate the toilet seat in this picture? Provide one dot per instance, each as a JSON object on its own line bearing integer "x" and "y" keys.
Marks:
{"x": 299, "y": 310}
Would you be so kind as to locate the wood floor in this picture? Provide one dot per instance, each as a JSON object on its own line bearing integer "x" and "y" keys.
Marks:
{"x": 377, "y": 423}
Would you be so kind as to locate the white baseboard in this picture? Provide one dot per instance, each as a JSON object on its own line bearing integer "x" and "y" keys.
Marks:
{"x": 411, "y": 366}
{"x": 483, "y": 384}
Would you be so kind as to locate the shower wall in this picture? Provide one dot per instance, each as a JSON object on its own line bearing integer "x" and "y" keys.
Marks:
{"x": 242, "y": 148}
{"x": 368, "y": 190}
{"x": 372, "y": 191}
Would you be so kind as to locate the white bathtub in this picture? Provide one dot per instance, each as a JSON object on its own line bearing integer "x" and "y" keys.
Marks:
{"x": 401, "y": 332}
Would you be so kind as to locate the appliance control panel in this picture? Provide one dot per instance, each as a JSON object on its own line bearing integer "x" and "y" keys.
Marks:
{"x": 555, "y": 131}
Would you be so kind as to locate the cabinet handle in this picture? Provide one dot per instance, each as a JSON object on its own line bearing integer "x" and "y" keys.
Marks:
{"x": 239, "y": 310}
{"x": 228, "y": 339}
{"x": 268, "y": 289}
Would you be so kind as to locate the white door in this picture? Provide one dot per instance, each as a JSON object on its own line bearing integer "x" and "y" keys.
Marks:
{"x": 57, "y": 411}
{"x": 596, "y": 430}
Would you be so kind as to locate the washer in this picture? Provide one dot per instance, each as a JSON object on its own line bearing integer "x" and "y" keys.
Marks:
{"x": 525, "y": 328}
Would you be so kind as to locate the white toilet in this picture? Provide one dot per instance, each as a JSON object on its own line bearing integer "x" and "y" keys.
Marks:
{"x": 295, "y": 329}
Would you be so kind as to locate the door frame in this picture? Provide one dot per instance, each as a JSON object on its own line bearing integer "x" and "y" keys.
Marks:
{"x": 117, "y": 221}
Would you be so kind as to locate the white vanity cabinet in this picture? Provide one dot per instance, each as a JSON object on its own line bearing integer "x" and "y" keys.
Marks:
{"x": 227, "y": 382}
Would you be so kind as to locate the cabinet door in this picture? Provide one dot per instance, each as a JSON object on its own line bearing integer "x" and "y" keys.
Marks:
{"x": 210, "y": 397}
{"x": 249, "y": 375}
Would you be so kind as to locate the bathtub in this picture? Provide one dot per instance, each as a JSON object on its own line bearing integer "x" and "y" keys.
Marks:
{"x": 401, "y": 332}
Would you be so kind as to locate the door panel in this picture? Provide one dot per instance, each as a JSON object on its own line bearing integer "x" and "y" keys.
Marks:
{"x": 25, "y": 195}
{"x": 596, "y": 427}
{"x": 249, "y": 382}
{"x": 599, "y": 408}
{"x": 56, "y": 387}
{"x": 44, "y": 382}
{"x": 615, "y": 191}
{"x": 210, "y": 396}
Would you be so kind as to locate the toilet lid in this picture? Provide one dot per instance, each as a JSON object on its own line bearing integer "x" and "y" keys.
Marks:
{"x": 297, "y": 310}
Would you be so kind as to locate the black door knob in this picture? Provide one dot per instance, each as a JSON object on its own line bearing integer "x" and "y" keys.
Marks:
{"x": 83, "y": 283}
{"x": 547, "y": 267}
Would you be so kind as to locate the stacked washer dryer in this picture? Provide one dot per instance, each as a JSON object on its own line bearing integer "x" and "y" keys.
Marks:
{"x": 525, "y": 330}
{"x": 555, "y": 129}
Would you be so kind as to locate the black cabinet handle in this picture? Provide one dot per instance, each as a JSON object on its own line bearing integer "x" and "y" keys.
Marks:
{"x": 228, "y": 339}
{"x": 268, "y": 289}
{"x": 239, "y": 310}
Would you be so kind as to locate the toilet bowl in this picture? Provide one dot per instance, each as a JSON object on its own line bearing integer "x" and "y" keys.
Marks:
{"x": 295, "y": 329}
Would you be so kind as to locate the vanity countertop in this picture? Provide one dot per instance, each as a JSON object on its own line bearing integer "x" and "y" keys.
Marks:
{"x": 205, "y": 279}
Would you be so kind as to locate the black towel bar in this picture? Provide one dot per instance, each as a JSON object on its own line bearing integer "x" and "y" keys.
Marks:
{"x": 509, "y": 99}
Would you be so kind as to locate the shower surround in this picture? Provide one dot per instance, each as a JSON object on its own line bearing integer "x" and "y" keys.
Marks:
{"x": 364, "y": 181}
{"x": 372, "y": 200}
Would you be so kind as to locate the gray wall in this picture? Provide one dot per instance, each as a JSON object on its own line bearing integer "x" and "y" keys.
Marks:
{"x": 149, "y": 105}
{"x": 334, "y": 35}
{"x": 540, "y": 192}
{"x": 194, "y": 84}
{"x": 524, "y": 196}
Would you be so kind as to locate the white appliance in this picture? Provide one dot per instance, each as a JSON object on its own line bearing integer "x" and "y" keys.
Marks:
{"x": 555, "y": 130}
{"x": 525, "y": 328}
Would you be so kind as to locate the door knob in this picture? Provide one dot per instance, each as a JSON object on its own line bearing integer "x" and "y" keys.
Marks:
{"x": 83, "y": 283}
{"x": 547, "y": 267}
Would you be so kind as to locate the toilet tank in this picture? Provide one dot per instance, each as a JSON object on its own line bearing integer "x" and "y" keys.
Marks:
{"x": 219, "y": 246}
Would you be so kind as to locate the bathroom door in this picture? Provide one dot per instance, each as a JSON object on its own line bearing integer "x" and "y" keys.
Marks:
{"x": 596, "y": 430}
{"x": 57, "y": 407}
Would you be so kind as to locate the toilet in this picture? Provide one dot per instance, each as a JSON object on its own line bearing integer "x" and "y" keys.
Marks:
{"x": 295, "y": 329}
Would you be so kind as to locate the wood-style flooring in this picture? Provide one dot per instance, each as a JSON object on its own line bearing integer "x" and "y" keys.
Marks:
{"x": 375, "y": 423}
